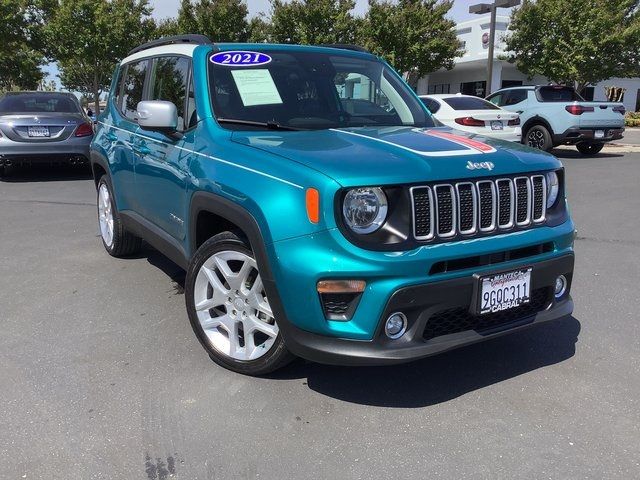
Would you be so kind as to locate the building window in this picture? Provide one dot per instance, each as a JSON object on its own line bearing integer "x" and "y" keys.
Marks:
{"x": 478, "y": 89}
{"x": 587, "y": 93}
{"x": 511, "y": 83}
{"x": 439, "y": 88}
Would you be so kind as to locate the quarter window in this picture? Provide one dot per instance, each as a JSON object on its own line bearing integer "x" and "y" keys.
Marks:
{"x": 133, "y": 88}
{"x": 169, "y": 83}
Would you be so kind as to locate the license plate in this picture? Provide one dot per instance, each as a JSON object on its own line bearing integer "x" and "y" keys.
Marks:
{"x": 599, "y": 134}
{"x": 38, "y": 131}
{"x": 496, "y": 125}
{"x": 504, "y": 291}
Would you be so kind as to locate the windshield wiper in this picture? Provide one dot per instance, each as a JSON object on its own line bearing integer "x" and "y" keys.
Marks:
{"x": 251, "y": 123}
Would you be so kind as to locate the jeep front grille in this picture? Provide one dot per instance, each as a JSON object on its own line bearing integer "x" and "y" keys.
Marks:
{"x": 465, "y": 208}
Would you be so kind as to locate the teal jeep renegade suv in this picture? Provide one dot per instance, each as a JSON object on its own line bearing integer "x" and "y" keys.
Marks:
{"x": 319, "y": 210}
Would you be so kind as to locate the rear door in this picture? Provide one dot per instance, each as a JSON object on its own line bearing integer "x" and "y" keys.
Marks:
{"x": 122, "y": 135}
{"x": 162, "y": 161}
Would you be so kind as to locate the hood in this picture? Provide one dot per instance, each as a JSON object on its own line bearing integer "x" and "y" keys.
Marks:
{"x": 395, "y": 155}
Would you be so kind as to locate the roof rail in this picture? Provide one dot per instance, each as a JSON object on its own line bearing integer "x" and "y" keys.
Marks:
{"x": 190, "y": 38}
{"x": 346, "y": 46}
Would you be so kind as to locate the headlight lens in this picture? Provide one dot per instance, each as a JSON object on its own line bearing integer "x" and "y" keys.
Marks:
{"x": 365, "y": 209}
{"x": 553, "y": 187}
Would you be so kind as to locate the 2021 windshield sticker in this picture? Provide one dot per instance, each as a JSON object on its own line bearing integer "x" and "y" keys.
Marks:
{"x": 240, "y": 58}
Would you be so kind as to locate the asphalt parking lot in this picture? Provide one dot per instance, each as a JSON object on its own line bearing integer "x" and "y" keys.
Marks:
{"x": 102, "y": 377}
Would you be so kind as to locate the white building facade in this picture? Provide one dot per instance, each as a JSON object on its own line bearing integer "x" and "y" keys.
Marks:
{"x": 470, "y": 72}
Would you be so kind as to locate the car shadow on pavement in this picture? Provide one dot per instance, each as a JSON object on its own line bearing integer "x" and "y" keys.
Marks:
{"x": 47, "y": 173}
{"x": 428, "y": 381}
{"x": 567, "y": 153}
{"x": 443, "y": 377}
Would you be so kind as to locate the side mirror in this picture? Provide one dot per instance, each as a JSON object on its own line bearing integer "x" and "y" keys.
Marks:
{"x": 160, "y": 116}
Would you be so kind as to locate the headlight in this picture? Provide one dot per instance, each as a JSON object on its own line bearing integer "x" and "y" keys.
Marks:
{"x": 553, "y": 187}
{"x": 365, "y": 209}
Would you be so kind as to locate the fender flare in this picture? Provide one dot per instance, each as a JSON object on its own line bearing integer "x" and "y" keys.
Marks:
{"x": 240, "y": 216}
{"x": 537, "y": 120}
{"x": 96, "y": 158}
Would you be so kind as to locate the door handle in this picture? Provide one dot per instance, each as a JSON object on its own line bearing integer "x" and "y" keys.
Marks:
{"x": 112, "y": 137}
{"x": 142, "y": 150}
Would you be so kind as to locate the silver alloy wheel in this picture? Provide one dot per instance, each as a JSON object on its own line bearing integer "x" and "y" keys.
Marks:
{"x": 105, "y": 215}
{"x": 232, "y": 306}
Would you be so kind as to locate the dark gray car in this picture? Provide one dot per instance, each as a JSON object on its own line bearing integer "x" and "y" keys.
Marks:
{"x": 38, "y": 127}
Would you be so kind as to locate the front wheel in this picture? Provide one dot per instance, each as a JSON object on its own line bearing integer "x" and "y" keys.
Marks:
{"x": 229, "y": 310}
{"x": 589, "y": 148}
{"x": 539, "y": 137}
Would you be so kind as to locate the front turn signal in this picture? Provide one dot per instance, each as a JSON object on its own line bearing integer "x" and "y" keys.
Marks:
{"x": 313, "y": 205}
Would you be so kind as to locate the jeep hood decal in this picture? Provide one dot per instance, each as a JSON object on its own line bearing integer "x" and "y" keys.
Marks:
{"x": 387, "y": 155}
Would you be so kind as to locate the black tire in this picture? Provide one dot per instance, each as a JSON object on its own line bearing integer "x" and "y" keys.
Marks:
{"x": 2, "y": 171}
{"x": 538, "y": 137}
{"x": 589, "y": 148}
{"x": 277, "y": 357}
{"x": 124, "y": 243}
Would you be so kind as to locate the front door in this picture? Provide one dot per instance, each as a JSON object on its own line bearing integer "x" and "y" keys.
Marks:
{"x": 162, "y": 161}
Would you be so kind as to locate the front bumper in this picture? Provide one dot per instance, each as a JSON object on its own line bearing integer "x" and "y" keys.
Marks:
{"x": 583, "y": 134}
{"x": 428, "y": 303}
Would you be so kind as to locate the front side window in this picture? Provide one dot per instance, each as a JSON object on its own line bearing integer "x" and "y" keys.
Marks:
{"x": 169, "y": 83}
{"x": 310, "y": 90}
{"x": 133, "y": 88}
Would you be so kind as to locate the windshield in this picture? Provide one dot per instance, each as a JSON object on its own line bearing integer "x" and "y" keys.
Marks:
{"x": 38, "y": 103}
{"x": 310, "y": 90}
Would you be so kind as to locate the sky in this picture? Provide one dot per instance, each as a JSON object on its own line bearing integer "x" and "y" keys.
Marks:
{"x": 169, "y": 8}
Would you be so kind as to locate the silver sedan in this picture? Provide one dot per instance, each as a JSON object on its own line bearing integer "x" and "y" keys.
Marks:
{"x": 37, "y": 127}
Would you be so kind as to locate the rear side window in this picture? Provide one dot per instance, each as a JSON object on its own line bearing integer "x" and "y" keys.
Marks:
{"x": 469, "y": 103}
{"x": 558, "y": 93}
{"x": 169, "y": 83}
{"x": 514, "y": 97}
{"x": 133, "y": 88}
{"x": 432, "y": 105}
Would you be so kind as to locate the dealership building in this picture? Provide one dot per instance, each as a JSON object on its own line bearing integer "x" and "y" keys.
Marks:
{"x": 469, "y": 74}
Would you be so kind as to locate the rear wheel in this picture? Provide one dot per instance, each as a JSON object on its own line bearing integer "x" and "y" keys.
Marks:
{"x": 589, "y": 148}
{"x": 229, "y": 310}
{"x": 117, "y": 241}
{"x": 539, "y": 137}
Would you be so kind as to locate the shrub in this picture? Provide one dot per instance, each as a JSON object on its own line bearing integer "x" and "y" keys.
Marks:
{"x": 632, "y": 119}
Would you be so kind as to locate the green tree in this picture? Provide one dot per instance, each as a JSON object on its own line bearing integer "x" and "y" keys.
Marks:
{"x": 259, "y": 30}
{"x": 88, "y": 37}
{"x": 220, "y": 20}
{"x": 412, "y": 35}
{"x": 21, "y": 55}
{"x": 313, "y": 22}
{"x": 576, "y": 42}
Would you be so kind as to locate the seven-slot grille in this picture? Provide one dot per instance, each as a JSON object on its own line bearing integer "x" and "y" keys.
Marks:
{"x": 468, "y": 208}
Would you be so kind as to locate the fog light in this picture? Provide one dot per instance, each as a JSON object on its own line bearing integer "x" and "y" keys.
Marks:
{"x": 395, "y": 325}
{"x": 561, "y": 286}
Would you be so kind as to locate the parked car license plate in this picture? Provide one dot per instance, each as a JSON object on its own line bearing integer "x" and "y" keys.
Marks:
{"x": 38, "y": 131}
{"x": 505, "y": 290}
{"x": 496, "y": 125}
{"x": 599, "y": 134}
